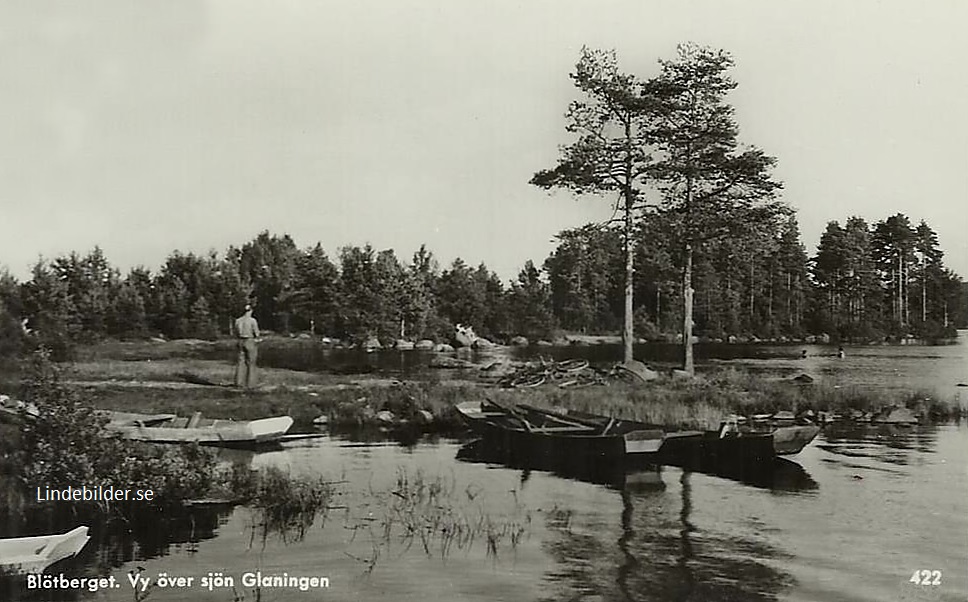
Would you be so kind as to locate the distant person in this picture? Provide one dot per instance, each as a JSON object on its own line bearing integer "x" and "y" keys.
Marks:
{"x": 840, "y": 352}
{"x": 803, "y": 354}
{"x": 247, "y": 330}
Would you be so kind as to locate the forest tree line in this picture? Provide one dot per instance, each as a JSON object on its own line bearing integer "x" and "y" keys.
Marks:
{"x": 867, "y": 282}
{"x": 700, "y": 245}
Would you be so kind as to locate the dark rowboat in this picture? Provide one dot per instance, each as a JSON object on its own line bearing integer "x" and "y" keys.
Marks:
{"x": 530, "y": 430}
{"x": 541, "y": 432}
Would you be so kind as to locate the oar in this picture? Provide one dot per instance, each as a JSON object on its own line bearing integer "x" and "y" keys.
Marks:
{"x": 512, "y": 412}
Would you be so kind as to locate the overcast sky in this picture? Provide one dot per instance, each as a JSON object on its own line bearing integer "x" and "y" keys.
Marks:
{"x": 148, "y": 127}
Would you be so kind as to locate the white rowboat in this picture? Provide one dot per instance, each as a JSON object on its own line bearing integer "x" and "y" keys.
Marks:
{"x": 31, "y": 555}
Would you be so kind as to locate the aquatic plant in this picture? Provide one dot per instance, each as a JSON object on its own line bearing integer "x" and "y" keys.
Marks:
{"x": 436, "y": 515}
{"x": 281, "y": 504}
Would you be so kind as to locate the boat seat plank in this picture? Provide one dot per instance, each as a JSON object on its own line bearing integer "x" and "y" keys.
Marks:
{"x": 195, "y": 419}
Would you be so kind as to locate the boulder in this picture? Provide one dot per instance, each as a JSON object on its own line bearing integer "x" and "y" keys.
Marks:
{"x": 543, "y": 343}
{"x": 443, "y": 348}
{"x": 824, "y": 338}
{"x": 640, "y": 370}
{"x": 385, "y": 417}
{"x": 784, "y": 416}
{"x": 371, "y": 344}
{"x": 896, "y": 415}
{"x": 497, "y": 367}
{"x": 482, "y": 343}
{"x": 804, "y": 379}
{"x": 681, "y": 375}
{"x": 403, "y": 345}
{"x": 424, "y": 345}
{"x": 519, "y": 341}
{"x": 445, "y": 362}
{"x": 731, "y": 338}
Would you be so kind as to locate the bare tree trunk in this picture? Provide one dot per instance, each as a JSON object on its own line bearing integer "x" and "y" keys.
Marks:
{"x": 907, "y": 294}
{"x": 629, "y": 273}
{"x": 687, "y": 291}
{"x": 789, "y": 300}
{"x": 900, "y": 290}
{"x": 924, "y": 299}
{"x": 751, "y": 292}
{"x": 769, "y": 300}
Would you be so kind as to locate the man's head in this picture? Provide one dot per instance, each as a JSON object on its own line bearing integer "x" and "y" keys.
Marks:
{"x": 248, "y": 309}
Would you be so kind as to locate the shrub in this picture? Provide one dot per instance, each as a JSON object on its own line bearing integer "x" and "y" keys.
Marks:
{"x": 64, "y": 444}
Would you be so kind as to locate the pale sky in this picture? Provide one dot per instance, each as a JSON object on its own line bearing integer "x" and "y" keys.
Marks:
{"x": 145, "y": 127}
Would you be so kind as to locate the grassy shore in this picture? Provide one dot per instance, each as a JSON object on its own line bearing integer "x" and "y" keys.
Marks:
{"x": 176, "y": 377}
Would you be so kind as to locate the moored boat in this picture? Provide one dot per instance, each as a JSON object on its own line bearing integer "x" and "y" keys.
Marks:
{"x": 170, "y": 428}
{"x": 544, "y": 432}
{"x": 575, "y": 433}
{"x": 31, "y": 555}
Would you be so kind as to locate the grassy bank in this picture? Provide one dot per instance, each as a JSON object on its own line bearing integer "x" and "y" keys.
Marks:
{"x": 181, "y": 377}
{"x": 703, "y": 402}
{"x": 699, "y": 403}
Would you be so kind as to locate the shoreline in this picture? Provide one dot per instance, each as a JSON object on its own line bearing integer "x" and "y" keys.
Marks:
{"x": 172, "y": 377}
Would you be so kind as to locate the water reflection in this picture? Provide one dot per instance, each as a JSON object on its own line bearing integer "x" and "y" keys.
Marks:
{"x": 116, "y": 542}
{"x": 660, "y": 553}
{"x": 891, "y": 444}
{"x": 780, "y": 475}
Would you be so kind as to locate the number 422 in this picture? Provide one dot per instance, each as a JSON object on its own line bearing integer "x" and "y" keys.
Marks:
{"x": 926, "y": 577}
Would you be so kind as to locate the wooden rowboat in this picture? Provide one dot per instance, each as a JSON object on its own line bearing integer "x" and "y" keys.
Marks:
{"x": 170, "y": 428}
{"x": 545, "y": 432}
{"x": 575, "y": 433}
{"x": 31, "y": 555}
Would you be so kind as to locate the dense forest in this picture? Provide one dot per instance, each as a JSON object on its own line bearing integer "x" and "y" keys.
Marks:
{"x": 867, "y": 282}
{"x": 700, "y": 247}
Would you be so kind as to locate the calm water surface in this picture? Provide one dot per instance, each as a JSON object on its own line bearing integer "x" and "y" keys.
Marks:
{"x": 934, "y": 369}
{"x": 851, "y": 517}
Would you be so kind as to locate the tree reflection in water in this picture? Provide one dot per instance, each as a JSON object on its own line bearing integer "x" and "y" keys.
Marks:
{"x": 659, "y": 551}
{"x": 660, "y": 555}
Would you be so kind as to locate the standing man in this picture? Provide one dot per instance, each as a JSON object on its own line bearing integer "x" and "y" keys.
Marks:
{"x": 247, "y": 330}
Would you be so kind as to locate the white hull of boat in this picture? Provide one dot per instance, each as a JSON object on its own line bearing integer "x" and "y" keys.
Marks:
{"x": 31, "y": 555}
{"x": 163, "y": 428}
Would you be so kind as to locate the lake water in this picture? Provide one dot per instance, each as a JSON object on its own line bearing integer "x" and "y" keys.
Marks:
{"x": 852, "y": 517}
{"x": 934, "y": 369}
